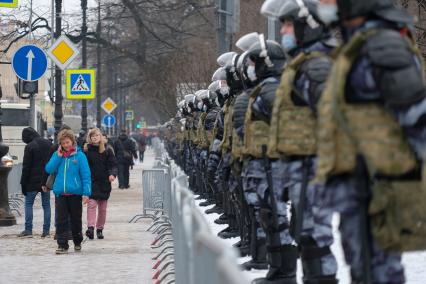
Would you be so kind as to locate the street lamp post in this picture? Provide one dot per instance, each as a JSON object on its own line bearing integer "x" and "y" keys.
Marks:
{"x": 58, "y": 72}
{"x": 84, "y": 62}
{"x": 98, "y": 73}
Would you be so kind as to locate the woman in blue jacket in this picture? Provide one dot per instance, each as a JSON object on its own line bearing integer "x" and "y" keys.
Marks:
{"x": 72, "y": 186}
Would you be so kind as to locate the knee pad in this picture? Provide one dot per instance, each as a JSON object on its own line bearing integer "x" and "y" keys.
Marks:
{"x": 311, "y": 256}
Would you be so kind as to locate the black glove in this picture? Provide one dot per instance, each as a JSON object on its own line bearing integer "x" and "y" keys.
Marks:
{"x": 212, "y": 164}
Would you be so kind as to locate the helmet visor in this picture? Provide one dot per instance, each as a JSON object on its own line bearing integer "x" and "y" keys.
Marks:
{"x": 203, "y": 94}
{"x": 226, "y": 59}
{"x": 214, "y": 86}
{"x": 246, "y": 41}
{"x": 220, "y": 74}
{"x": 190, "y": 98}
{"x": 271, "y": 8}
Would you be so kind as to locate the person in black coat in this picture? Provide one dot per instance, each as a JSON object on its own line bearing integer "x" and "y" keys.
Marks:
{"x": 142, "y": 146}
{"x": 81, "y": 139}
{"x": 125, "y": 151}
{"x": 33, "y": 178}
{"x": 103, "y": 166}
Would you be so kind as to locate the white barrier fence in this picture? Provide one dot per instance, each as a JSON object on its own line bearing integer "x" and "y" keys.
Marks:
{"x": 16, "y": 199}
{"x": 196, "y": 256}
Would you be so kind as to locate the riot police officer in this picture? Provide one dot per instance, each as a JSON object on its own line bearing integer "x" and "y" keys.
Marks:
{"x": 269, "y": 59}
{"x": 370, "y": 129}
{"x": 293, "y": 134}
{"x": 230, "y": 180}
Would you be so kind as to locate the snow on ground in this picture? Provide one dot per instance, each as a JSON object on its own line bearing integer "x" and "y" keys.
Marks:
{"x": 415, "y": 263}
{"x": 124, "y": 256}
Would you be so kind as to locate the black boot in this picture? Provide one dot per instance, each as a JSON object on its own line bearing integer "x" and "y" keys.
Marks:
{"x": 215, "y": 209}
{"x": 90, "y": 233}
{"x": 228, "y": 233}
{"x": 200, "y": 197}
{"x": 205, "y": 203}
{"x": 311, "y": 256}
{"x": 282, "y": 266}
{"x": 231, "y": 231}
{"x": 222, "y": 220}
{"x": 244, "y": 248}
{"x": 258, "y": 254}
{"x": 99, "y": 234}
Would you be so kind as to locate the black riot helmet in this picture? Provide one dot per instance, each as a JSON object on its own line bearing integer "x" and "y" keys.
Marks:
{"x": 243, "y": 63}
{"x": 268, "y": 56}
{"x": 242, "y": 69}
{"x": 215, "y": 88}
{"x": 232, "y": 78}
{"x": 221, "y": 91}
{"x": 384, "y": 9}
{"x": 303, "y": 14}
{"x": 191, "y": 103}
{"x": 349, "y": 9}
{"x": 307, "y": 27}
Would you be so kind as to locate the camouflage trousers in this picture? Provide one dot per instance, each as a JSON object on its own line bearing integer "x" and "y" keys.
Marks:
{"x": 223, "y": 172}
{"x": 189, "y": 159}
{"x": 202, "y": 161}
{"x": 341, "y": 195}
{"x": 316, "y": 218}
{"x": 255, "y": 185}
{"x": 194, "y": 170}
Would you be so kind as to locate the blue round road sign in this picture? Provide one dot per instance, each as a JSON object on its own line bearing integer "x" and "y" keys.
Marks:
{"x": 109, "y": 120}
{"x": 29, "y": 63}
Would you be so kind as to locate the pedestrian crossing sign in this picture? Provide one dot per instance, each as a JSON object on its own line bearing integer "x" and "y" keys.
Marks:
{"x": 9, "y": 3}
{"x": 80, "y": 84}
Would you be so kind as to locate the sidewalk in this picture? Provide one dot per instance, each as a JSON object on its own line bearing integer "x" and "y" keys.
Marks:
{"x": 124, "y": 256}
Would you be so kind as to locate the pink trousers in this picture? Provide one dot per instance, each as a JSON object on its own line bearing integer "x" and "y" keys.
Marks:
{"x": 91, "y": 213}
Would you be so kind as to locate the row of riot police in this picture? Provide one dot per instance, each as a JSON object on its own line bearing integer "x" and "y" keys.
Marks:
{"x": 289, "y": 133}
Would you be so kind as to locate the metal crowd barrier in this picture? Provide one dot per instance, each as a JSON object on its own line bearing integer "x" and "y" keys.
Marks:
{"x": 16, "y": 199}
{"x": 188, "y": 253}
{"x": 155, "y": 185}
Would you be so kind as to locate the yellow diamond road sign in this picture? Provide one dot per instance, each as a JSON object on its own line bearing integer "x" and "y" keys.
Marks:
{"x": 63, "y": 52}
{"x": 109, "y": 105}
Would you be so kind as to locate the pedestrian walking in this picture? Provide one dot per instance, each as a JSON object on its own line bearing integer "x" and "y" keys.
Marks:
{"x": 125, "y": 151}
{"x": 81, "y": 139}
{"x": 53, "y": 149}
{"x": 142, "y": 146}
{"x": 72, "y": 186}
{"x": 103, "y": 167}
{"x": 33, "y": 179}
{"x": 107, "y": 143}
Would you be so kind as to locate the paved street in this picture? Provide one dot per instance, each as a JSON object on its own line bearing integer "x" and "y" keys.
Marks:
{"x": 124, "y": 256}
